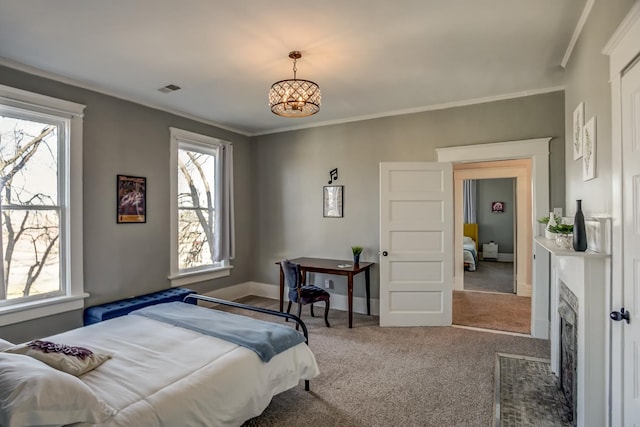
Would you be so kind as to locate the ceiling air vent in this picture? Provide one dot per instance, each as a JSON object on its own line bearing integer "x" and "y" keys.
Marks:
{"x": 169, "y": 88}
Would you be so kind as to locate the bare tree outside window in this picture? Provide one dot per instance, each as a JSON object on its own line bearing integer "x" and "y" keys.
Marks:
{"x": 29, "y": 208}
{"x": 196, "y": 209}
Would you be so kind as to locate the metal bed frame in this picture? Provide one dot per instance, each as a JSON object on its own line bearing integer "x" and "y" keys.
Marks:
{"x": 259, "y": 310}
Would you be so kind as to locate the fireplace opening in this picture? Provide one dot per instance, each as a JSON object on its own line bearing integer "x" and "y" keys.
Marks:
{"x": 568, "y": 311}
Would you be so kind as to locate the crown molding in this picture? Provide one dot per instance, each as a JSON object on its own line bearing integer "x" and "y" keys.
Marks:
{"x": 444, "y": 106}
{"x": 576, "y": 32}
{"x": 97, "y": 88}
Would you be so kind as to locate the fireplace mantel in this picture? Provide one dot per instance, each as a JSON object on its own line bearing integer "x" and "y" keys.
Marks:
{"x": 587, "y": 275}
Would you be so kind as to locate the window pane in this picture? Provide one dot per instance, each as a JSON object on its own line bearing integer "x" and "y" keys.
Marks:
{"x": 194, "y": 242}
{"x": 196, "y": 179}
{"x": 28, "y": 162}
{"x": 31, "y": 248}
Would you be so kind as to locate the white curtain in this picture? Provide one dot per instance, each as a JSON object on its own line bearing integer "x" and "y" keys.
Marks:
{"x": 469, "y": 201}
{"x": 224, "y": 235}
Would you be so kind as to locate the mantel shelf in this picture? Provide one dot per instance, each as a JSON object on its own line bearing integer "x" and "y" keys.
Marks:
{"x": 550, "y": 245}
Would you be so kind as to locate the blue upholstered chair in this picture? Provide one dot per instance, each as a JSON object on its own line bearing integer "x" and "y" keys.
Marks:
{"x": 303, "y": 294}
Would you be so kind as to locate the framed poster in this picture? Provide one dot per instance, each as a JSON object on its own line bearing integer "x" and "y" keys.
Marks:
{"x": 332, "y": 201}
{"x": 497, "y": 207}
{"x": 132, "y": 199}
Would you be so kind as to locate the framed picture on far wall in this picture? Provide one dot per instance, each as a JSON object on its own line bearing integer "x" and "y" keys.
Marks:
{"x": 332, "y": 201}
{"x": 497, "y": 207}
{"x": 132, "y": 199}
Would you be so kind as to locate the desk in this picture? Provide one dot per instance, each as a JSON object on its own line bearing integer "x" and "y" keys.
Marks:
{"x": 330, "y": 266}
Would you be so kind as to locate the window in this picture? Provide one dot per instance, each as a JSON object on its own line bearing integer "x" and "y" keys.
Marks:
{"x": 202, "y": 243}
{"x": 40, "y": 206}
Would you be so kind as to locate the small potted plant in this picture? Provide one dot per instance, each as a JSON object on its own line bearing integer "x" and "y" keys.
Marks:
{"x": 356, "y": 251}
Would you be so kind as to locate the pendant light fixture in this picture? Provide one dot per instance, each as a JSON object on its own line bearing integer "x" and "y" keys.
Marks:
{"x": 294, "y": 97}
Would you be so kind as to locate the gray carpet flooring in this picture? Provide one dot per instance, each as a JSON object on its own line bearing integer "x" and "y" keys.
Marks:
{"x": 372, "y": 376}
{"x": 490, "y": 276}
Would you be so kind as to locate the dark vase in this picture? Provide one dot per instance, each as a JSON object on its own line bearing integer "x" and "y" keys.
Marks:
{"x": 579, "y": 232}
{"x": 356, "y": 259}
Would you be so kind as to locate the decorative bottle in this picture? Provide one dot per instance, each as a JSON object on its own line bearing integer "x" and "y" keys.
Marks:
{"x": 552, "y": 221}
{"x": 579, "y": 231}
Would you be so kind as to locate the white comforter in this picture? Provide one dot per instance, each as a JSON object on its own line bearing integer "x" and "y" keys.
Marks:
{"x": 163, "y": 375}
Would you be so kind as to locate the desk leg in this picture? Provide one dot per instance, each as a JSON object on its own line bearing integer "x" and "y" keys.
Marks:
{"x": 367, "y": 280}
{"x": 350, "y": 292}
{"x": 281, "y": 290}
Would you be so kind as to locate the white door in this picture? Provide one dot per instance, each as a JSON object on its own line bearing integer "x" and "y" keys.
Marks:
{"x": 416, "y": 244}
{"x": 631, "y": 241}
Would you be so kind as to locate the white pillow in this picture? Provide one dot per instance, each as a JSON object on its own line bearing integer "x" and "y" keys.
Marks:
{"x": 4, "y": 344}
{"x": 468, "y": 240}
{"x": 33, "y": 394}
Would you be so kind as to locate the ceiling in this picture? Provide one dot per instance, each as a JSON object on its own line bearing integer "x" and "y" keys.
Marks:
{"x": 370, "y": 58}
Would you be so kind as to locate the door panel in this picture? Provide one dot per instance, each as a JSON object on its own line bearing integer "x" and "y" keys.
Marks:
{"x": 631, "y": 242}
{"x": 416, "y": 232}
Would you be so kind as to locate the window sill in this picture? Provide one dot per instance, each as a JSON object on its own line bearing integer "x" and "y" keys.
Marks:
{"x": 199, "y": 276}
{"x": 43, "y": 308}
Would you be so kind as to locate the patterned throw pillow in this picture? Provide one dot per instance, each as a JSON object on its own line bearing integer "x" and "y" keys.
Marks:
{"x": 72, "y": 360}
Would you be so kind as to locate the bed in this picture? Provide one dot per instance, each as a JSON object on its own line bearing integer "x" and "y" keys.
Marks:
{"x": 158, "y": 374}
{"x": 470, "y": 246}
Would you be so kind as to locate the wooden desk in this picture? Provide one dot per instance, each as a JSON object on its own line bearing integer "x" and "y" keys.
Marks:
{"x": 330, "y": 266}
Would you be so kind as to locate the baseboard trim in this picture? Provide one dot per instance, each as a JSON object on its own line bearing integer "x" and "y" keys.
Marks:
{"x": 505, "y": 257}
{"x": 338, "y": 302}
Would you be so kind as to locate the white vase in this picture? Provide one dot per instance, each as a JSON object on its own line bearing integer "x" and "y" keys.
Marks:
{"x": 549, "y": 235}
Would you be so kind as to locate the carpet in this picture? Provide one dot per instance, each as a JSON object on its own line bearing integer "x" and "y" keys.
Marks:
{"x": 490, "y": 276}
{"x": 500, "y": 312}
{"x": 527, "y": 393}
{"x": 413, "y": 376}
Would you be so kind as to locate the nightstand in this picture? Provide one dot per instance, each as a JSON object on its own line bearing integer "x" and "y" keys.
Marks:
{"x": 490, "y": 251}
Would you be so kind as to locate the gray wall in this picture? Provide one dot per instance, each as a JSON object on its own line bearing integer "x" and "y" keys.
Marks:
{"x": 496, "y": 226}
{"x": 587, "y": 80}
{"x": 123, "y": 260}
{"x": 289, "y": 170}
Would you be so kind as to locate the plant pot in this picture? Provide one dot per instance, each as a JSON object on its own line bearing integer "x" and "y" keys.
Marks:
{"x": 356, "y": 259}
{"x": 564, "y": 241}
{"x": 549, "y": 235}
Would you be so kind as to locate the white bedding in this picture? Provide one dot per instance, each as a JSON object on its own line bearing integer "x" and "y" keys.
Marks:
{"x": 469, "y": 251}
{"x": 164, "y": 375}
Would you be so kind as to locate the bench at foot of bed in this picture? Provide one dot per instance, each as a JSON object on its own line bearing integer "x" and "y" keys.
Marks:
{"x": 119, "y": 308}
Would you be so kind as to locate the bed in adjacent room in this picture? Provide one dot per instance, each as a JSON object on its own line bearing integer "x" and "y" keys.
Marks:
{"x": 158, "y": 372}
{"x": 470, "y": 246}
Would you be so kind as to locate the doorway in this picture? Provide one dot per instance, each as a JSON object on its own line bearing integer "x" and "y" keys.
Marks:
{"x": 504, "y": 245}
{"x": 536, "y": 151}
{"x": 489, "y": 206}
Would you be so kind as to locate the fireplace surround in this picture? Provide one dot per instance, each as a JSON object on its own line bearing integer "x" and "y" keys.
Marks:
{"x": 579, "y": 300}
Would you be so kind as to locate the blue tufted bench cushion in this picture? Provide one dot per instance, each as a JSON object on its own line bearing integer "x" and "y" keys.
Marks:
{"x": 110, "y": 310}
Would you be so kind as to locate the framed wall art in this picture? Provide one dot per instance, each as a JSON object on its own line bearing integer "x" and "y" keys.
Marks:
{"x": 132, "y": 199}
{"x": 578, "y": 125}
{"x": 332, "y": 199}
{"x": 589, "y": 150}
{"x": 497, "y": 207}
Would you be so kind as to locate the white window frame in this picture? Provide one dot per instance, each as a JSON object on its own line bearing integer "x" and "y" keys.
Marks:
{"x": 177, "y": 277}
{"x": 71, "y": 114}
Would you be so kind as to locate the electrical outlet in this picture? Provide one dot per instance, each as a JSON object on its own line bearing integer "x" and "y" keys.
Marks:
{"x": 557, "y": 212}
{"x": 328, "y": 284}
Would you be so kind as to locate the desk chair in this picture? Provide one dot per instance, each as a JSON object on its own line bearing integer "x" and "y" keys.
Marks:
{"x": 303, "y": 294}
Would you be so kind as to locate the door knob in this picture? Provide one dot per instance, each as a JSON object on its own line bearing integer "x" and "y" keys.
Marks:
{"x": 385, "y": 253}
{"x": 620, "y": 315}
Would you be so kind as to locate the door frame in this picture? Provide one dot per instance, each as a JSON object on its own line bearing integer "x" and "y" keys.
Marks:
{"x": 622, "y": 49}
{"x": 538, "y": 151}
{"x": 523, "y": 239}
